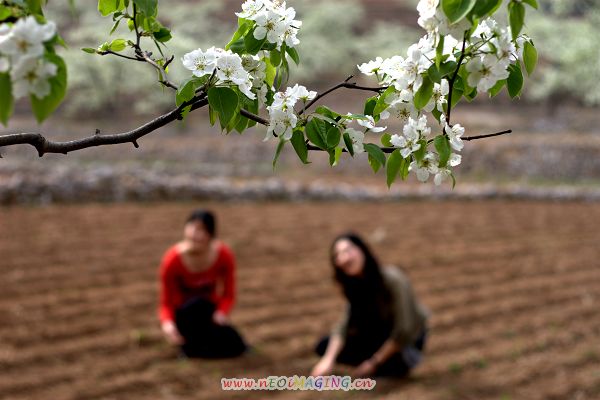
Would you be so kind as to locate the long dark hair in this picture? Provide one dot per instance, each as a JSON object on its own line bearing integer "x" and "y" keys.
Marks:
{"x": 366, "y": 294}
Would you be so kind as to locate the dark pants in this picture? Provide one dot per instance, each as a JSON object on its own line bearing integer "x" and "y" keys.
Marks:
{"x": 204, "y": 338}
{"x": 357, "y": 349}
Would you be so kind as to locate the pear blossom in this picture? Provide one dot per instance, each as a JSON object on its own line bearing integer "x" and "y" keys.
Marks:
{"x": 269, "y": 24}
{"x": 427, "y": 8}
{"x": 438, "y": 99}
{"x": 369, "y": 123}
{"x": 428, "y": 165}
{"x": 454, "y": 134}
{"x": 300, "y": 93}
{"x": 199, "y": 62}
{"x": 357, "y": 138}
{"x": 250, "y": 9}
{"x": 281, "y": 123}
{"x": 441, "y": 176}
{"x": 454, "y": 160}
{"x": 408, "y": 144}
{"x": 372, "y": 67}
{"x": 485, "y": 71}
{"x": 4, "y": 64}
{"x": 401, "y": 110}
{"x": 31, "y": 76}
{"x": 26, "y": 38}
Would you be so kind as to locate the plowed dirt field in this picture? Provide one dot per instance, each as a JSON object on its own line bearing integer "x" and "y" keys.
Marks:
{"x": 513, "y": 287}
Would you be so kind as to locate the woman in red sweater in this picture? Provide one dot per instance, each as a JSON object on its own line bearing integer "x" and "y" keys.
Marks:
{"x": 197, "y": 292}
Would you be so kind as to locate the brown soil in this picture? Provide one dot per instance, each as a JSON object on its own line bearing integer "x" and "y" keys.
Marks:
{"x": 512, "y": 287}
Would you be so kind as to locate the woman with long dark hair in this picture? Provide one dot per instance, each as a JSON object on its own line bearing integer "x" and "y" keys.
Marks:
{"x": 197, "y": 292}
{"x": 384, "y": 328}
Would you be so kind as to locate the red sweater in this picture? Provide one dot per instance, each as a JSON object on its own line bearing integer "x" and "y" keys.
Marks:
{"x": 178, "y": 284}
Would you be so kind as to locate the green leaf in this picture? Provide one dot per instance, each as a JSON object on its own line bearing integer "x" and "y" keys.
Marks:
{"x": 334, "y": 156}
{"x": 270, "y": 72}
{"x": 186, "y": 91}
{"x": 163, "y": 35}
{"x": 224, "y": 101}
{"x": 381, "y": 104}
{"x": 516, "y": 16}
{"x": 530, "y": 57}
{"x": 300, "y": 145}
{"x": 244, "y": 25}
{"x": 442, "y": 145}
{"x": 293, "y": 54}
{"x": 118, "y": 45}
{"x": 348, "y": 143}
{"x": 386, "y": 140}
{"x": 148, "y": 7}
{"x": 5, "y": 12}
{"x": 404, "y": 168}
{"x": 370, "y": 105}
{"x": 89, "y": 50}
{"x": 275, "y": 58}
{"x": 42, "y": 108}
{"x": 420, "y": 154}
{"x": 333, "y": 137}
{"x": 238, "y": 46}
{"x": 35, "y": 6}
{"x": 328, "y": 112}
{"x": 315, "y": 133}
{"x": 515, "y": 80}
{"x": 439, "y": 52}
{"x": 424, "y": 93}
{"x": 456, "y": 10}
{"x": 436, "y": 74}
{"x": 108, "y": 6}
{"x": 6, "y": 98}
{"x": 375, "y": 154}
{"x": 485, "y": 7}
{"x": 394, "y": 163}
{"x": 278, "y": 151}
{"x": 252, "y": 44}
{"x": 532, "y": 3}
{"x": 213, "y": 115}
{"x": 493, "y": 92}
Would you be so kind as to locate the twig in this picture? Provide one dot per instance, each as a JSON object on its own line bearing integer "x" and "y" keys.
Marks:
{"x": 346, "y": 84}
{"x": 489, "y": 135}
{"x": 453, "y": 79}
{"x": 44, "y": 145}
{"x": 254, "y": 117}
{"x": 114, "y": 53}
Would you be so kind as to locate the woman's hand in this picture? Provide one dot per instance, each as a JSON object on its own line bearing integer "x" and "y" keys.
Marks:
{"x": 220, "y": 318}
{"x": 171, "y": 333}
{"x": 366, "y": 368}
{"x": 323, "y": 367}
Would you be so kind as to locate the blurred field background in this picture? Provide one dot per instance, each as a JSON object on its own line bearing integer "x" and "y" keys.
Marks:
{"x": 507, "y": 262}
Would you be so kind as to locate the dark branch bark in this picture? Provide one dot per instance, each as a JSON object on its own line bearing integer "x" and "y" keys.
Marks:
{"x": 453, "y": 79}
{"x": 391, "y": 149}
{"x": 346, "y": 84}
{"x": 44, "y": 145}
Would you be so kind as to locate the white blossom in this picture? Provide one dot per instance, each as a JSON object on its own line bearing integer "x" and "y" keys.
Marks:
{"x": 357, "y": 138}
{"x": 372, "y": 67}
{"x": 281, "y": 123}
{"x": 199, "y": 62}
{"x": 299, "y": 92}
{"x": 485, "y": 71}
{"x": 438, "y": 99}
{"x": 454, "y": 134}
{"x": 427, "y": 8}
{"x": 31, "y": 76}
{"x": 402, "y": 111}
{"x": 26, "y": 39}
{"x": 428, "y": 165}
{"x": 441, "y": 176}
{"x": 250, "y": 9}
{"x": 269, "y": 24}
{"x": 4, "y": 64}
{"x": 369, "y": 123}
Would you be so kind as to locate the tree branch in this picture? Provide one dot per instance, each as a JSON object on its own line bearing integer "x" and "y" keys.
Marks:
{"x": 114, "y": 53}
{"x": 453, "y": 79}
{"x": 44, "y": 145}
{"x": 391, "y": 149}
{"x": 254, "y": 117}
{"x": 346, "y": 84}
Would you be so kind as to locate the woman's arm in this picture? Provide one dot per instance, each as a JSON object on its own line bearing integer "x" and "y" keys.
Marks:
{"x": 227, "y": 299}
{"x": 327, "y": 362}
{"x": 369, "y": 366}
{"x": 169, "y": 291}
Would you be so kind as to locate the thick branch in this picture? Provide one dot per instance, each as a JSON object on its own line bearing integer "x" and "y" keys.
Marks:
{"x": 346, "y": 84}
{"x": 254, "y": 117}
{"x": 44, "y": 145}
